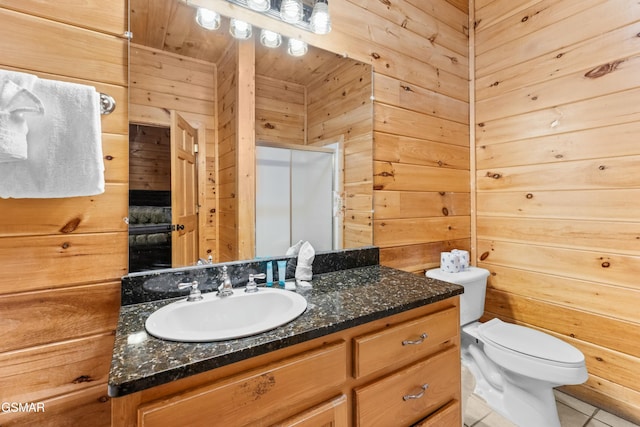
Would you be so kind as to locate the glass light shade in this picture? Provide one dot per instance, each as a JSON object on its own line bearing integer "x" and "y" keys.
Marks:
{"x": 296, "y": 47}
{"x": 270, "y": 39}
{"x": 320, "y": 20}
{"x": 259, "y": 5}
{"x": 240, "y": 29}
{"x": 291, "y": 11}
{"x": 208, "y": 18}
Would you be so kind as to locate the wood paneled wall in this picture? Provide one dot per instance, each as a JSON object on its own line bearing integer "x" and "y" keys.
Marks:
{"x": 227, "y": 82}
{"x": 62, "y": 259}
{"x": 281, "y": 108}
{"x": 557, "y": 126}
{"x": 149, "y": 158}
{"x": 556, "y": 202}
{"x": 59, "y": 290}
{"x": 421, "y": 149}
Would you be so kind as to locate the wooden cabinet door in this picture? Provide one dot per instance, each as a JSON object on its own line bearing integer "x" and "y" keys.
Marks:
{"x": 249, "y": 398}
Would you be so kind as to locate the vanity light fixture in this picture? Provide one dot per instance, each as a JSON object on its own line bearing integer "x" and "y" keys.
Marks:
{"x": 296, "y": 47}
{"x": 239, "y": 29}
{"x": 270, "y": 38}
{"x": 291, "y": 11}
{"x": 316, "y": 20}
{"x": 320, "y": 21}
{"x": 208, "y": 19}
{"x": 259, "y": 5}
{"x": 308, "y": 15}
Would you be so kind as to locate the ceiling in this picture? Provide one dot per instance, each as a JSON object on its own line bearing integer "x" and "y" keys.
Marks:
{"x": 169, "y": 25}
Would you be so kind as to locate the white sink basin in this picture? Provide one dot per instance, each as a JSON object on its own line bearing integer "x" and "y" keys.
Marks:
{"x": 216, "y": 319}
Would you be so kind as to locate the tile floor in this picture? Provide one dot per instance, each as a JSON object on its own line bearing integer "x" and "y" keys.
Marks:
{"x": 573, "y": 413}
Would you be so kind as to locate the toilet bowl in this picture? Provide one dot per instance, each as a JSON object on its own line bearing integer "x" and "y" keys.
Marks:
{"x": 515, "y": 368}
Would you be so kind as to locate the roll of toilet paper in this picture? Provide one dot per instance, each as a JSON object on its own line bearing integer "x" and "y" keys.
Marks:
{"x": 449, "y": 262}
{"x": 463, "y": 256}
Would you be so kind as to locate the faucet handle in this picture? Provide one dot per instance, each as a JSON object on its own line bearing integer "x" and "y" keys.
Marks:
{"x": 195, "y": 294}
{"x": 251, "y": 284}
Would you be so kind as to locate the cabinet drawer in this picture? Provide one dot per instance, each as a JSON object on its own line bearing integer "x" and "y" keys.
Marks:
{"x": 333, "y": 413}
{"x": 410, "y": 394}
{"x": 404, "y": 342}
{"x": 447, "y": 416}
{"x": 246, "y": 398}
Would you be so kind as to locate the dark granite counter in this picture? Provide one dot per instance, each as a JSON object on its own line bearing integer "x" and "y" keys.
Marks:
{"x": 338, "y": 300}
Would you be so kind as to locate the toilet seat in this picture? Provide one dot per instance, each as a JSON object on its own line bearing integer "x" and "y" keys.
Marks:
{"x": 530, "y": 343}
{"x": 532, "y": 353}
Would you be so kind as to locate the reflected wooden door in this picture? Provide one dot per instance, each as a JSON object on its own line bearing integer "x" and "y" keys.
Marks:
{"x": 184, "y": 192}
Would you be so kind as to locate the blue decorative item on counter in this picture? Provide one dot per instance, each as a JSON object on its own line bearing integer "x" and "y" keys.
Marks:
{"x": 282, "y": 270}
{"x": 269, "y": 273}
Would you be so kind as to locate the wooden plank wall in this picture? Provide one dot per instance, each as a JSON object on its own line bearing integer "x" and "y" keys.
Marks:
{"x": 280, "y": 111}
{"x": 421, "y": 138}
{"x": 149, "y": 158}
{"x": 227, "y": 163}
{"x": 339, "y": 107}
{"x": 557, "y": 89}
{"x": 419, "y": 52}
{"x": 62, "y": 259}
{"x": 161, "y": 81}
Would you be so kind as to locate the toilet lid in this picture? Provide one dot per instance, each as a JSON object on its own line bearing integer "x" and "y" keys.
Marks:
{"x": 529, "y": 342}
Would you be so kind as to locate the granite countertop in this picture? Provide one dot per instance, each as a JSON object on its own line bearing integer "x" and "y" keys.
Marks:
{"x": 338, "y": 300}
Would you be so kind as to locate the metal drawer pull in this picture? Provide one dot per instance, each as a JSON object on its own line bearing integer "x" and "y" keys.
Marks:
{"x": 424, "y": 388}
{"x": 423, "y": 337}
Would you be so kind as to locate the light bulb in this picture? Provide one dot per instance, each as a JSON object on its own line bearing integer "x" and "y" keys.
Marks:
{"x": 259, "y": 5}
{"x": 240, "y": 29}
{"x": 291, "y": 11}
{"x": 320, "y": 20}
{"x": 270, "y": 39}
{"x": 296, "y": 47}
{"x": 208, "y": 18}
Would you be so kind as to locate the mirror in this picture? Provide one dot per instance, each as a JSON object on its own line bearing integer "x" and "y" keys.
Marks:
{"x": 235, "y": 95}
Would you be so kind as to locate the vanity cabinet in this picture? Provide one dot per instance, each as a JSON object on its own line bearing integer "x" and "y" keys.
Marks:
{"x": 428, "y": 380}
{"x": 399, "y": 370}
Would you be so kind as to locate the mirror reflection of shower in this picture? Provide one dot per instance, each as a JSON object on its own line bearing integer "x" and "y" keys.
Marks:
{"x": 298, "y": 197}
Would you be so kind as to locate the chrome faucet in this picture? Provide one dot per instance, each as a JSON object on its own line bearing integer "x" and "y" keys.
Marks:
{"x": 195, "y": 294}
{"x": 251, "y": 285}
{"x": 202, "y": 261}
{"x": 226, "y": 289}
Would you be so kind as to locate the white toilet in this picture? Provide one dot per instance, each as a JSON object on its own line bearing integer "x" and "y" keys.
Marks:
{"x": 515, "y": 367}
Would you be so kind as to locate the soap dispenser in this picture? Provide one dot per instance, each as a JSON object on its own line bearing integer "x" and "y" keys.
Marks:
{"x": 226, "y": 289}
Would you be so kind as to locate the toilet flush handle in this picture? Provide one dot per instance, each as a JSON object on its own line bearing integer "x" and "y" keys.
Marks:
{"x": 420, "y": 340}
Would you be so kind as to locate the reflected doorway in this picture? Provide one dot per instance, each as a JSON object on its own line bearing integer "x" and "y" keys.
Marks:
{"x": 163, "y": 196}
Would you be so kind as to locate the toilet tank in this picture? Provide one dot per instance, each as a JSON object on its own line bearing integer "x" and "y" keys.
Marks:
{"x": 474, "y": 280}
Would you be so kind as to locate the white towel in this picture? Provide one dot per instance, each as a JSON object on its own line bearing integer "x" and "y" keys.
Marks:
{"x": 24, "y": 80}
{"x": 305, "y": 262}
{"x": 15, "y": 101}
{"x": 64, "y": 156}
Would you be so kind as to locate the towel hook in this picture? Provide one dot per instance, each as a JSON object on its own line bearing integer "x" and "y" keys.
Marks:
{"x": 107, "y": 104}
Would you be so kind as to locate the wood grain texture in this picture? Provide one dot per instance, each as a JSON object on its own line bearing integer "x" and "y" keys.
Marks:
{"x": 63, "y": 258}
{"x": 33, "y": 374}
{"x": 89, "y": 407}
{"x": 557, "y": 180}
{"x": 65, "y": 45}
{"x": 552, "y": 50}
